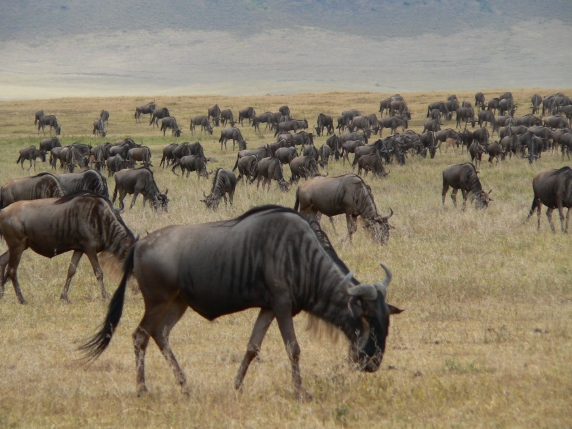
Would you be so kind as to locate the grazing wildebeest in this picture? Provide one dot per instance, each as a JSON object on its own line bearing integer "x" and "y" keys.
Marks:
{"x": 116, "y": 163}
{"x": 486, "y": 117}
{"x": 311, "y": 150}
{"x": 476, "y": 152}
{"x": 480, "y": 100}
{"x": 214, "y": 112}
{"x": 226, "y": 116}
{"x": 170, "y": 122}
{"x": 88, "y": 180}
{"x": 247, "y": 168}
{"x": 536, "y": 102}
{"x": 372, "y": 162}
{"x": 168, "y": 155}
{"x": 104, "y": 116}
{"x": 139, "y": 181}
{"x": 203, "y": 121}
{"x": 464, "y": 177}
{"x": 297, "y": 139}
{"x": 399, "y": 107}
{"x": 347, "y": 194}
{"x": 157, "y": 114}
{"x": 30, "y": 154}
{"x": 69, "y": 157}
{"x": 303, "y": 167}
{"x": 43, "y": 185}
{"x": 99, "y": 128}
{"x": 324, "y": 121}
{"x": 269, "y": 169}
{"x": 192, "y": 163}
{"x": 224, "y": 183}
{"x": 286, "y": 154}
{"x": 553, "y": 188}
{"x": 556, "y": 121}
{"x": 247, "y": 113}
{"x": 82, "y": 222}
{"x": 325, "y": 153}
{"x": 47, "y": 145}
{"x": 146, "y": 109}
{"x": 141, "y": 154}
{"x": 234, "y": 134}
{"x": 37, "y": 116}
{"x": 392, "y": 122}
{"x": 427, "y": 140}
{"x": 481, "y": 135}
{"x": 261, "y": 152}
{"x": 282, "y": 255}
{"x": 432, "y": 125}
{"x": 495, "y": 150}
{"x": 510, "y": 144}
{"x": 467, "y": 114}
{"x": 442, "y": 107}
{"x": 50, "y": 120}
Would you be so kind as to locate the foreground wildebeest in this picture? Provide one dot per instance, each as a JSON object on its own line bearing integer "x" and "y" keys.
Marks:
{"x": 99, "y": 128}
{"x": 214, "y": 112}
{"x": 203, "y": 121}
{"x": 192, "y": 163}
{"x": 139, "y": 181}
{"x": 116, "y": 163}
{"x": 324, "y": 121}
{"x": 226, "y": 116}
{"x": 168, "y": 155}
{"x": 88, "y": 180}
{"x": 325, "y": 152}
{"x": 480, "y": 100}
{"x": 104, "y": 116}
{"x": 170, "y": 122}
{"x": 269, "y": 169}
{"x": 247, "y": 168}
{"x": 30, "y": 154}
{"x": 146, "y": 109}
{"x": 50, "y": 120}
{"x": 224, "y": 183}
{"x": 82, "y": 222}
{"x": 43, "y": 185}
{"x": 157, "y": 114}
{"x": 347, "y": 194}
{"x": 464, "y": 177}
{"x": 37, "y": 116}
{"x": 269, "y": 258}
{"x": 233, "y": 134}
{"x": 553, "y": 188}
{"x": 247, "y": 113}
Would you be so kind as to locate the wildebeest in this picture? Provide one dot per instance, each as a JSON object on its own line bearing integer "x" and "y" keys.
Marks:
{"x": 567, "y": 110}
{"x": 43, "y": 185}
{"x": 269, "y": 169}
{"x": 350, "y": 147}
{"x": 553, "y": 188}
{"x": 480, "y": 100}
{"x": 266, "y": 118}
{"x": 536, "y": 101}
{"x": 37, "y": 116}
{"x": 47, "y": 145}
{"x": 104, "y": 116}
{"x": 360, "y": 123}
{"x": 50, "y": 120}
{"x": 234, "y": 134}
{"x": 139, "y": 181}
{"x": 495, "y": 150}
{"x": 476, "y": 151}
{"x": 99, "y": 128}
{"x": 303, "y": 167}
{"x": 433, "y": 125}
{"x": 170, "y": 122}
{"x": 88, "y": 180}
{"x": 325, "y": 152}
{"x": 291, "y": 125}
{"x": 297, "y": 139}
{"x": 384, "y": 106}
{"x": 527, "y": 120}
{"x": 188, "y": 148}
{"x": 69, "y": 157}
{"x": 324, "y": 121}
{"x": 311, "y": 150}
{"x": 466, "y": 104}
{"x": 168, "y": 155}
{"x": 467, "y": 114}
{"x": 157, "y": 114}
{"x": 464, "y": 177}
{"x": 286, "y": 154}
{"x": 214, "y": 113}
{"x": 224, "y": 183}
{"x": 30, "y": 154}
{"x": 203, "y": 121}
{"x": 116, "y": 163}
{"x": 282, "y": 255}
{"x": 371, "y": 162}
{"x": 247, "y": 168}
{"x": 392, "y": 122}
{"x": 260, "y": 152}
{"x": 486, "y": 117}
{"x": 442, "y": 107}
{"x": 141, "y": 154}
{"x": 427, "y": 140}
{"x": 226, "y": 116}
{"x": 482, "y": 134}
{"x": 146, "y": 109}
{"x": 192, "y": 163}
{"x": 247, "y": 113}
{"x": 493, "y": 104}
{"x": 82, "y": 222}
{"x": 347, "y": 194}
{"x": 556, "y": 121}
{"x": 122, "y": 150}
{"x": 285, "y": 111}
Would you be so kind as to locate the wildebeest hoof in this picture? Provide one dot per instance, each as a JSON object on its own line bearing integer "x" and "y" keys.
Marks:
{"x": 23, "y": 302}
{"x": 303, "y": 396}
{"x": 65, "y": 298}
{"x": 185, "y": 390}
{"x": 142, "y": 390}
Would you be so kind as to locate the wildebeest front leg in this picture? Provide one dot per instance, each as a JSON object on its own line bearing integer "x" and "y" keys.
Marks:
{"x": 3, "y": 262}
{"x": 352, "y": 225}
{"x": 97, "y": 271}
{"x": 454, "y": 197}
{"x": 263, "y": 322}
{"x": 15, "y": 255}
{"x": 77, "y": 254}
{"x": 549, "y": 216}
{"x": 561, "y": 213}
{"x": 135, "y": 195}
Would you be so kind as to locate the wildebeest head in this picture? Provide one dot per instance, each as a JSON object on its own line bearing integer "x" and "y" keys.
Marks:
{"x": 161, "y": 201}
{"x": 482, "y": 199}
{"x": 367, "y": 304}
{"x": 379, "y": 227}
{"x": 177, "y": 133}
{"x": 58, "y": 130}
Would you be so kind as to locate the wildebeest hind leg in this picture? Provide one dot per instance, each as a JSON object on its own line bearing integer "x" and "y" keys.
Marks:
{"x": 549, "y": 216}
{"x": 567, "y": 219}
{"x": 3, "y": 262}
{"x": 97, "y": 271}
{"x": 77, "y": 254}
{"x": 13, "y": 261}
{"x": 263, "y": 322}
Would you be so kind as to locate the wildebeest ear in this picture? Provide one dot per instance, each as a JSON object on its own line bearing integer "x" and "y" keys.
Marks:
{"x": 166, "y": 191}
{"x": 490, "y": 191}
{"x": 394, "y": 310}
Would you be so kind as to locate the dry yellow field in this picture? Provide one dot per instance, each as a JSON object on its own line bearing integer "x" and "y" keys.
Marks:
{"x": 484, "y": 342}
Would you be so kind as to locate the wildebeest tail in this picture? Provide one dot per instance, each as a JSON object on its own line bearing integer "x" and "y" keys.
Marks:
{"x": 114, "y": 193}
{"x": 236, "y": 164}
{"x": 297, "y": 203}
{"x": 19, "y": 158}
{"x": 96, "y": 345}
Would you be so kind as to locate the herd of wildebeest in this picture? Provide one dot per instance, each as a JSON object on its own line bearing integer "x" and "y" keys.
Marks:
{"x": 271, "y": 257}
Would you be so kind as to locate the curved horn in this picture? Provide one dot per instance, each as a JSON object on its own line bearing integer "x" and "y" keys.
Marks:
{"x": 382, "y": 287}
{"x": 204, "y": 195}
{"x": 391, "y": 212}
{"x": 366, "y": 291}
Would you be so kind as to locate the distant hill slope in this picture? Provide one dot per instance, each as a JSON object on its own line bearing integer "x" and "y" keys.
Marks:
{"x": 75, "y": 47}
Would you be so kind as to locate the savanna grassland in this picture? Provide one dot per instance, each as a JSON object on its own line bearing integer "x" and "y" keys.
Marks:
{"x": 484, "y": 341}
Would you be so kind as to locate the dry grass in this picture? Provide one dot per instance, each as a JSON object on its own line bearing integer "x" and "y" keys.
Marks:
{"x": 484, "y": 341}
